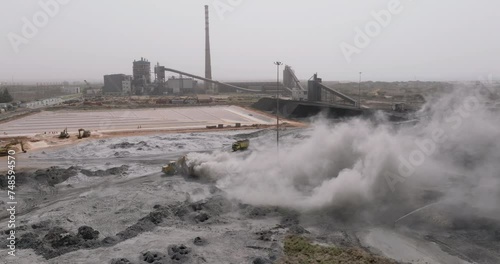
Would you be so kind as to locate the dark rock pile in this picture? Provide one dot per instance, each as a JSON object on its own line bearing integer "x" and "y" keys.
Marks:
{"x": 101, "y": 173}
{"x": 58, "y": 241}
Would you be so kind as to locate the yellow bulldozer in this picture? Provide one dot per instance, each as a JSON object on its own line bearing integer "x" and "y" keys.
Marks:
{"x": 4, "y": 151}
{"x": 170, "y": 169}
{"x": 82, "y": 133}
{"x": 183, "y": 167}
{"x": 180, "y": 166}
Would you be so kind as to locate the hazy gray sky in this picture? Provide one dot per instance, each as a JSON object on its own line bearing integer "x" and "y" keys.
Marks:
{"x": 85, "y": 39}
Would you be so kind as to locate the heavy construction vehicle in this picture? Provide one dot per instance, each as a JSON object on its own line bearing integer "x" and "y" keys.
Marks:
{"x": 185, "y": 168}
{"x": 180, "y": 166}
{"x": 4, "y": 151}
{"x": 170, "y": 169}
{"x": 82, "y": 133}
{"x": 64, "y": 134}
{"x": 241, "y": 145}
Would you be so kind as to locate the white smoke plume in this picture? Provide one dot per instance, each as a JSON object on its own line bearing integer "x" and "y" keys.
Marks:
{"x": 451, "y": 155}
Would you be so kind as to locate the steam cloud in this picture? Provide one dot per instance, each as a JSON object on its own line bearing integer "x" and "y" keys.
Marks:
{"x": 450, "y": 156}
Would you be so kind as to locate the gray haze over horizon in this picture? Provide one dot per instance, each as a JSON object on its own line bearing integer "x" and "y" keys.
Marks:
{"x": 443, "y": 40}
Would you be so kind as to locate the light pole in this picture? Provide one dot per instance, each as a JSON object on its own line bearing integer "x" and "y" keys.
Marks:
{"x": 359, "y": 90}
{"x": 278, "y": 64}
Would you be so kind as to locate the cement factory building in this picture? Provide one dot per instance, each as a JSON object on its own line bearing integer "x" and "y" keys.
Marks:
{"x": 160, "y": 74}
{"x": 142, "y": 72}
{"x": 117, "y": 84}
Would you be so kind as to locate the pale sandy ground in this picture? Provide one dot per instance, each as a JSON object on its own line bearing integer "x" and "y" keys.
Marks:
{"x": 103, "y": 121}
{"x": 41, "y": 130}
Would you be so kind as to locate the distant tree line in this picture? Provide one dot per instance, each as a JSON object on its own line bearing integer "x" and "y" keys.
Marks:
{"x": 5, "y": 96}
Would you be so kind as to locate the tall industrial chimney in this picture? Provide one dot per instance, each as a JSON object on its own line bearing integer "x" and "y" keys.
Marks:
{"x": 208, "y": 60}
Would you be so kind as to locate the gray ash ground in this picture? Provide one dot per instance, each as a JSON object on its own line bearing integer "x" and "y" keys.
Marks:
{"x": 55, "y": 175}
{"x": 50, "y": 240}
{"x": 473, "y": 238}
{"x": 103, "y": 209}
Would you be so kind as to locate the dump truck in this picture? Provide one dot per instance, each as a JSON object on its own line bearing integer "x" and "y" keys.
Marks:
{"x": 241, "y": 145}
{"x": 82, "y": 133}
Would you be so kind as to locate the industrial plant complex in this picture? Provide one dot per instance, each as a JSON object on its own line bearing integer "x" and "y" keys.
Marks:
{"x": 144, "y": 162}
{"x": 161, "y": 85}
{"x": 148, "y": 79}
{"x": 142, "y": 83}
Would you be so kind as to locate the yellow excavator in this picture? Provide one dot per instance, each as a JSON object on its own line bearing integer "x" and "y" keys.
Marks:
{"x": 82, "y": 133}
{"x": 4, "y": 151}
{"x": 64, "y": 134}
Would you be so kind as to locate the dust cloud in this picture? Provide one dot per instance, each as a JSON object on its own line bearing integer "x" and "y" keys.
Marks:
{"x": 449, "y": 157}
